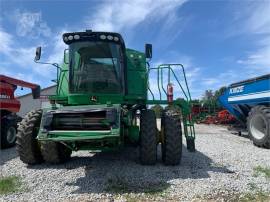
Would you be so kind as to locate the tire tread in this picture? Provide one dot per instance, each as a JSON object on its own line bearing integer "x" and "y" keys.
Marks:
{"x": 148, "y": 137}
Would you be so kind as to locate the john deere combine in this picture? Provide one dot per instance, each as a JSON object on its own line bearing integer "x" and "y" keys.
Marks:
{"x": 102, "y": 95}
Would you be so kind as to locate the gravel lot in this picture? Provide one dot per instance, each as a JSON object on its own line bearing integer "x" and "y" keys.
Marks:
{"x": 221, "y": 169}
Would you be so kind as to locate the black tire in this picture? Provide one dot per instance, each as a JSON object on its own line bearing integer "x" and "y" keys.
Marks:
{"x": 54, "y": 152}
{"x": 27, "y": 145}
{"x": 148, "y": 137}
{"x": 258, "y": 124}
{"x": 172, "y": 140}
{"x": 8, "y": 134}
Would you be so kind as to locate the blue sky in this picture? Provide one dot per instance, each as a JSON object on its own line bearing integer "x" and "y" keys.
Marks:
{"x": 219, "y": 42}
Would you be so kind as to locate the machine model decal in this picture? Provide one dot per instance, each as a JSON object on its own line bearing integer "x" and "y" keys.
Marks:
{"x": 4, "y": 96}
{"x": 238, "y": 89}
{"x": 261, "y": 94}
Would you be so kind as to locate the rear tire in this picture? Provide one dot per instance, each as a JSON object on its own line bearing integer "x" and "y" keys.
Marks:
{"x": 258, "y": 124}
{"x": 27, "y": 145}
{"x": 148, "y": 137}
{"x": 172, "y": 142}
{"x": 8, "y": 134}
{"x": 54, "y": 152}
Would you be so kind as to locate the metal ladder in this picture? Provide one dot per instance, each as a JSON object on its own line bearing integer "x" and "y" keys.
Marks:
{"x": 184, "y": 104}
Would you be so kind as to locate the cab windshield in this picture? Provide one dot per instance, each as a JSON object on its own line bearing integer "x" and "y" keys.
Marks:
{"x": 96, "y": 67}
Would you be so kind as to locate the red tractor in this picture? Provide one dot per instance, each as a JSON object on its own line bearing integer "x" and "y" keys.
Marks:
{"x": 9, "y": 106}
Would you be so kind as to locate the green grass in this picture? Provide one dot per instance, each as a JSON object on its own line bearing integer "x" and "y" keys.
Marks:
{"x": 262, "y": 170}
{"x": 254, "y": 194}
{"x": 132, "y": 190}
{"x": 9, "y": 184}
{"x": 259, "y": 196}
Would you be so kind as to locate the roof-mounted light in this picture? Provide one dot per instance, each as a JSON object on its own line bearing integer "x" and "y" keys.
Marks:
{"x": 76, "y": 37}
{"x": 110, "y": 37}
{"x": 65, "y": 39}
{"x": 70, "y": 37}
{"x": 115, "y": 38}
{"x": 102, "y": 37}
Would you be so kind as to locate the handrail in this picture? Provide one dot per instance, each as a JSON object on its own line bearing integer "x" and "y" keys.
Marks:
{"x": 160, "y": 79}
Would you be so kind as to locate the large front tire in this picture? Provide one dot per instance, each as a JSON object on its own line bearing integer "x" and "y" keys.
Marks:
{"x": 27, "y": 145}
{"x": 54, "y": 152}
{"x": 258, "y": 125}
{"x": 172, "y": 138}
{"x": 148, "y": 137}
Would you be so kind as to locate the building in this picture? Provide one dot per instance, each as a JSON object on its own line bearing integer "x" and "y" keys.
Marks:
{"x": 28, "y": 103}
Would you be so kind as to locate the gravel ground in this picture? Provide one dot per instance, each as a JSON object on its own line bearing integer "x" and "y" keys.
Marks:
{"x": 221, "y": 169}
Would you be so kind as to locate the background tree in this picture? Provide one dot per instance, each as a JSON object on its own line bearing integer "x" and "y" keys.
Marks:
{"x": 210, "y": 99}
{"x": 219, "y": 92}
{"x": 208, "y": 95}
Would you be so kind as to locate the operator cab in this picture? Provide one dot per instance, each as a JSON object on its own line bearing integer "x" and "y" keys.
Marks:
{"x": 96, "y": 62}
{"x": 98, "y": 68}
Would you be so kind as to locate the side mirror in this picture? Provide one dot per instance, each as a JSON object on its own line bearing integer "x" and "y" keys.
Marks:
{"x": 148, "y": 50}
{"x": 36, "y": 92}
{"x": 66, "y": 56}
{"x": 38, "y": 53}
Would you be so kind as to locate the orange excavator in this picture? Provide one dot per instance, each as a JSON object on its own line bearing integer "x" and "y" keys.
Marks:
{"x": 9, "y": 106}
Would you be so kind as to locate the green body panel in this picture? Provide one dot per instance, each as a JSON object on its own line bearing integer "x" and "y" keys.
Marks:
{"x": 136, "y": 75}
{"x": 63, "y": 78}
{"x": 87, "y": 99}
{"x": 80, "y": 135}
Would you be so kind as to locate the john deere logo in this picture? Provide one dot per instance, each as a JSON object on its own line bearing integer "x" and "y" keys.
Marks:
{"x": 93, "y": 98}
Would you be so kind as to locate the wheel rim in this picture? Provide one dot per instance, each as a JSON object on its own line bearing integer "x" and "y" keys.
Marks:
{"x": 258, "y": 127}
{"x": 11, "y": 135}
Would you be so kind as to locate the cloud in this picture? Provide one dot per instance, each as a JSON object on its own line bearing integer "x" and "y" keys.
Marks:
{"x": 5, "y": 41}
{"x": 31, "y": 24}
{"x": 109, "y": 16}
{"x": 259, "y": 20}
{"x": 256, "y": 23}
{"x": 210, "y": 81}
{"x": 192, "y": 72}
{"x": 217, "y": 81}
{"x": 57, "y": 51}
{"x": 169, "y": 31}
{"x": 118, "y": 15}
{"x": 19, "y": 75}
{"x": 18, "y": 60}
{"x": 9, "y": 48}
{"x": 258, "y": 60}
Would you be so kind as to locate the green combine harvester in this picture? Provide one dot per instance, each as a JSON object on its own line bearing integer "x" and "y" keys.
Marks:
{"x": 101, "y": 104}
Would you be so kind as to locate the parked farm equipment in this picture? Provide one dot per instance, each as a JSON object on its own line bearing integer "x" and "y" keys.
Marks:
{"x": 9, "y": 105}
{"x": 221, "y": 117}
{"x": 101, "y": 87}
{"x": 249, "y": 102}
{"x": 201, "y": 111}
